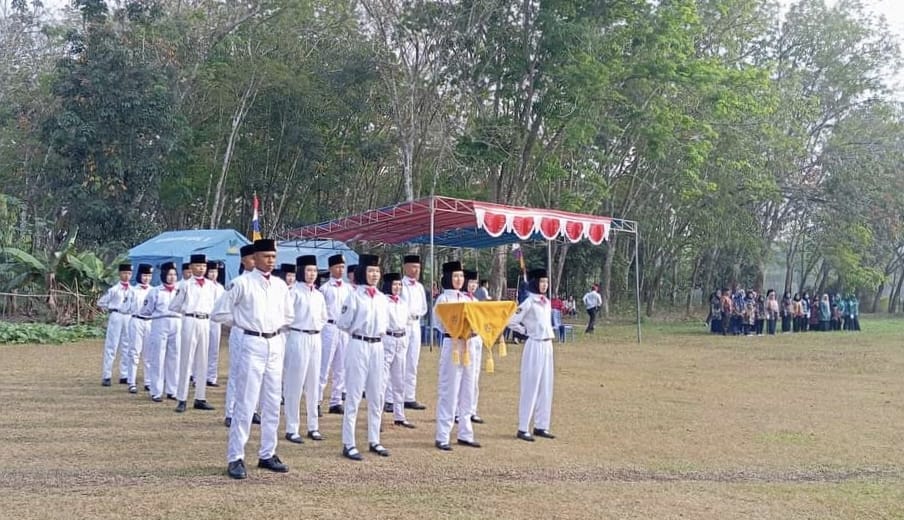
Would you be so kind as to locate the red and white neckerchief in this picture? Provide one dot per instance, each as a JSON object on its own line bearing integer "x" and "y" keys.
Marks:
{"x": 169, "y": 288}
{"x": 200, "y": 281}
{"x": 371, "y": 291}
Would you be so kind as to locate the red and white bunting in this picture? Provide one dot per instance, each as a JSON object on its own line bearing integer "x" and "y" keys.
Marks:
{"x": 550, "y": 224}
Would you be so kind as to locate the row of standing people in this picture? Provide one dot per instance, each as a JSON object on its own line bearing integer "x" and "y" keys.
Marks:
{"x": 751, "y": 313}
{"x": 375, "y": 359}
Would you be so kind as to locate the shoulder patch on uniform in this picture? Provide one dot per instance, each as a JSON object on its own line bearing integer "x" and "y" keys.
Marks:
{"x": 520, "y": 310}
{"x": 344, "y": 309}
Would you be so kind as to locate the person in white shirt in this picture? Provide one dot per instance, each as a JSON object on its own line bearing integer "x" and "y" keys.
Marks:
{"x": 365, "y": 318}
{"x": 592, "y": 302}
{"x": 165, "y": 339}
{"x": 395, "y": 347}
{"x": 455, "y": 383}
{"x": 214, "y": 269}
{"x": 415, "y": 298}
{"x": 194, "y": 299}
{"x": 234, "y": 342}
{"x": 260, "y": 306}
{"x": 301, "y": 367}
{"x": 288, "y": 274}
{"x": 332, "y": 361}
{"x": 533, "y": 318}
{"x": 482, "y": 293}
{"x": 475, "y": 348}
{"x": 140, "y": 327}
{"x": 117, "y": 301}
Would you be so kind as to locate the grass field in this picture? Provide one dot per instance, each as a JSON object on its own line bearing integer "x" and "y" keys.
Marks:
{"x": 684, "y": 426}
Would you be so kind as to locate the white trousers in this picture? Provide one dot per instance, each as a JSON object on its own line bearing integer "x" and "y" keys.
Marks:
{"x": 163, "y": 354}
{"x": 335, "y": 343}
{"x": 301, "y": 373}
{"x": 213, "y": 351}
{"x": 193, "y": 357}
{"x": 117, "y": 340}
{"x": 395, "y": 352}
{"x": 258, "y": 379}
{"x": 412, "y": 356}
{"x": 363, "y": 372}
{"x": 235, "y": 347}
{"x": 455, "y": 391}
{"x": 475, "y": 350}
{"x": 536, "y": 385}
{"x": 140, "y": 334}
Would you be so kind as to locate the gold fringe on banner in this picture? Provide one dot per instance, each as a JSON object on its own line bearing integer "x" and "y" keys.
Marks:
{"x": 486, "y": 319}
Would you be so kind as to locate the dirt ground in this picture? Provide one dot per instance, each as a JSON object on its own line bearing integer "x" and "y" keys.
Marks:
{"x": 685, "y": 425}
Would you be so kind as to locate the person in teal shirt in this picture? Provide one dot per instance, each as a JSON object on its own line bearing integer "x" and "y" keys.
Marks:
{"x": 852, "y": 313}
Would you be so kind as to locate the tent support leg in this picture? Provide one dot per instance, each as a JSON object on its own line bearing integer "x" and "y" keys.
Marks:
{"x": 637, "y": 281}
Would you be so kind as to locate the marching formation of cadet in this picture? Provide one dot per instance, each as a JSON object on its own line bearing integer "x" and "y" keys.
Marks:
{"x": 288, "y": 339}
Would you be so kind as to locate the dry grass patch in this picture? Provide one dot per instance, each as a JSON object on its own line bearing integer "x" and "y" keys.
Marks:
{"x": 685, "y": 425}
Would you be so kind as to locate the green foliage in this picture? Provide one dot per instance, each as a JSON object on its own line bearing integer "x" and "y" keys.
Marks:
{"x": 42, "y": 333}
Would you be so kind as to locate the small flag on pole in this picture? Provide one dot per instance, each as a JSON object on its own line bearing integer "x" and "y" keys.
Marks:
{"x": 518, "y": 253}
{"x": 255, "y": 220}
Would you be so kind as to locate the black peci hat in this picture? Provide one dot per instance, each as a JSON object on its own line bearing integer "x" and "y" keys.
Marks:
{"x": 287, "y": 268}
{"x": 306, "y": 260}
{"x": 470, "y": 275}
{"x": 185, "y": 266}
{"x": 265, "y": 245}
{"x": 351, "y": 268}
{"x": 125, "y": 268}
{"x": 247, "y": 250}
{"x": 145, "y": 269}
{"x": 212, "y": 264}
{"x": 198, "y": 259}
{"x": 536, "y": 274}
{"x": 451, "y": 267}
{"x": 411, "y": 259}
{"x": 336, "y": 260}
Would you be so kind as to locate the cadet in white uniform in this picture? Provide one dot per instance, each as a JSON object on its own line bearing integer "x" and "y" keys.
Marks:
{"x": 335, "y": 291}
{"x": 475, "y": 348}
{"x": 455, "y": 381}
{"x": 117, "y": 302}
{"x": 301, "y": 369}
{"x": 235, "y": 342}
{"x": 365, "y": 317}
{"x": 259, "y": 305}
{"x": 194, "y": 300}
{"x": 534, "y": 319}
{"x": 395, "y": 348}
{"x": 415, "y": 298}
{"x": 214, "y": 270}
{"x": 140, "y": 327}
{"x": 288, "y": 274}
{"x": 166, "y": 327}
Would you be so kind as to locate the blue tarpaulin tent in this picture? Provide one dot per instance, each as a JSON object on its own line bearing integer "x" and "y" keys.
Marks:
{"x": 288, "y": 250}
{"x": 178, "y": 246}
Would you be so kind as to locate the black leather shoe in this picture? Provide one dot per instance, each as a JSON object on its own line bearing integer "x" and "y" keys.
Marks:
{"x": 336, "y": 409}
{"x": 106, "y": 382}
{"x": 157, "y": 399}
{"x": 236, "y": 470}
{"x": 147, "y": 388}
{"x": 445, "y": 446}
{"x": 473, "y": 444}
{"x": 180, "y": 407}
{"x": 133, "y": 389}
{"x": 123, "y": 380}
{"x": 404, "y": 424}
{"x": 256, "y": 418}
{"x": 202, "y": 405}
{"x": 273, "y": 464}
{"x": 456, "y": 419}
{"x": 352, "y": 453}
{"x": 387, "y": 407}
{"x": 379, "y": 450}
{"x": 294, "y": 437}
{"x": 171, "y": 397}
{"x": 314, "y": 435}
{"x": 227, "y": 422}
{"x": 414, "y": 405}
{"x": 543, "y": 433}
{"x": 524, "y": 436}
{"x": 213, "y": 384}
{"x": 476, "y": 419}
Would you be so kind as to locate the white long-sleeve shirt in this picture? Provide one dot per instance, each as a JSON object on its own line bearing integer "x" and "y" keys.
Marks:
{"x": 398, "y": 314}
{"x": 256, "y": 303}
{"x": 414, "y": 295}
{"x": 365, "y": 313}
{"x": 533, "y": 318}
{"x": 194, "y": 296}
{"x": 117, "y": 298}
{"x": 139, "y": 300}
{"x": 447, "y": 296}
{"x": 310, "y": 308}
{"x": 592, "y": 300}
{"x": 158, "y": 302}
{"x": 335, "y": 292}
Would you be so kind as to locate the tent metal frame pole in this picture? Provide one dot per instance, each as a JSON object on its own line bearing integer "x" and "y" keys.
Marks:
{"x": 432, "y": 269}
{"x": 637, "y": 281}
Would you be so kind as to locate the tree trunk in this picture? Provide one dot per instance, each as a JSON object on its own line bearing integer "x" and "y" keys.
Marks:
{"x": 497, "y": 272}
{"x": 896, "y": 294}
{"x": 690, "y": 292}
{"x": 559, "y": 266}
{"x": 238, "y": 117}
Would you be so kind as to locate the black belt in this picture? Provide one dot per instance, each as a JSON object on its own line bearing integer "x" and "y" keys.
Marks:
{"x": 396, "y": 334}
{"x": 141, "y": 317}
{"x": 305, "y": 331}
{"x": 265, "y": 335}
{"x": 331, "y": 322}
{"x": 544, "y": 339}
{"x": 197, "y": 315}
{"x": 365, "y": 339}
{"x": 413, "y": 317}
{"x": 450, "y": 337}
{"x": 119, "y": 311}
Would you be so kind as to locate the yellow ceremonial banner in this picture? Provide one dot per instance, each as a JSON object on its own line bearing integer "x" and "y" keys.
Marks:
{"x": 486, "y": 319}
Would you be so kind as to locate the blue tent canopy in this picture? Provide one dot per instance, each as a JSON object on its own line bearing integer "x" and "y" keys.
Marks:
{"x": 178, "y": 246}
{"x": 288, "y": 250}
